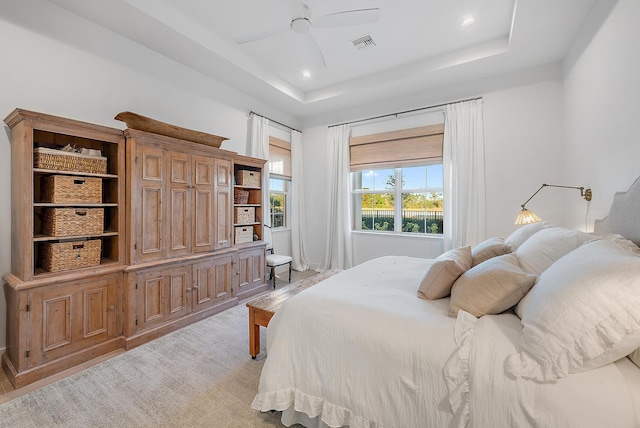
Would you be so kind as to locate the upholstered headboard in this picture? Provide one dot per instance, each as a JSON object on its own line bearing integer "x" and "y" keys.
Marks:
{"x": 624, "y": 216}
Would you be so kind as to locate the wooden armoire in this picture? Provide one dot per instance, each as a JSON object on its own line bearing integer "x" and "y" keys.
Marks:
{"x": 168, "y": 253}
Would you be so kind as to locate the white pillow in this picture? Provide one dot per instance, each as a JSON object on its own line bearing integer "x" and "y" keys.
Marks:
{"x": 537, "y": 253}
{"x": 584, "y": 312}
{"x": 522, "y": 233}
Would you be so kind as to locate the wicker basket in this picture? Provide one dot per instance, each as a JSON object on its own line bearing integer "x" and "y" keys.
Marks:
{"x": 244, "y": 234}
{"x": 248, "y": 178}
{"x": 59, "y": 189}
{"x": 59, "y": 256}
{"x": 244, "y": 215}
{"x": 72, "y": 221}
{"x": 66, "y": 161}
{"x": 240, "y": 196}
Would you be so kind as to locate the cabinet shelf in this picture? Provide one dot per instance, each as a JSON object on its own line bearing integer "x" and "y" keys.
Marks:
{"x": 31, "y": 190}
{"x": 71, "y": 205}
{"x": 240, "y": 186}
{"x": 246, "y": 224}
{"x": 247, "y": 196}
{"x": 41, "y": 171}
{"x": 45, "y": 238}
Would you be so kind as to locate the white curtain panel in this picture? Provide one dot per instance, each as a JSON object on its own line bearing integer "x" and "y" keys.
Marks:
{"x": 464, "y": 179}
{"x": 298, "y": 241}
{"x": 259, "y": 148}
{"x": 338, "y": 246}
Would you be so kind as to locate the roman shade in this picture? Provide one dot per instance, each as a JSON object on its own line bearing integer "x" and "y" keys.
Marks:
{"x": 397, "y": 148}
{"x": 279, "y": 158}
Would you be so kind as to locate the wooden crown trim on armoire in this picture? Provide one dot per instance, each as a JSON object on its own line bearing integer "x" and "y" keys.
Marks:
{"x": 119, "y": 238}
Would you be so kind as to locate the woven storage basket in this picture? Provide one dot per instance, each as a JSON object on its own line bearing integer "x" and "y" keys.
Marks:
{"x": 244, "y": 234}
{"x": 72, "y": 221}
{"x": 65, "y": 161}
{"x": 59, "y": 189}
{"x": 58, "y": 256}
{"x": 240, "y": 197}
{"x": 244, "y": 215}
{"x": 248, "y": 178}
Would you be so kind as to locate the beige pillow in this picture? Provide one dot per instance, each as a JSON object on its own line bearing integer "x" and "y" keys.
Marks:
{"x": 489, "y": 249}
{"x": 491, "y": 287}
{"x": 437, "y": 281}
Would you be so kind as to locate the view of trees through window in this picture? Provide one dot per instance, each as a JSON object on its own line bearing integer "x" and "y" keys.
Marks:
{"x": 400, "y": 199}
{"x": 278, "y": 190}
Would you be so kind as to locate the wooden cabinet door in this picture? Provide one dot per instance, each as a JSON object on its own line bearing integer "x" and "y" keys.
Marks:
{"x": 203, "y": 209}
{"x": 251, "y": 270}
{"x": 213, "y": 282}
{"x": 146, "y": 218}
{"x": 70, "y": 317}
{"x": 179, "y": 204}
{"x": 223, "y": 216}
{"x": 163, "y": 295}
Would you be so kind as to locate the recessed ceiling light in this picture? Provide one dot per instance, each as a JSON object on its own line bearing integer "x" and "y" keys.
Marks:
{"x": 305, "y": 75}
{"x": 468, "y": 22}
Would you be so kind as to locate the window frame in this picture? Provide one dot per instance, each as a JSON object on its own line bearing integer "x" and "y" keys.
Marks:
{"x": 286, "y": 193}
{"x": 397, "y": 191}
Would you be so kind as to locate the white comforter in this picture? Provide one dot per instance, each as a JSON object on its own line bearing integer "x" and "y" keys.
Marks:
{"x": 361, "y": 350}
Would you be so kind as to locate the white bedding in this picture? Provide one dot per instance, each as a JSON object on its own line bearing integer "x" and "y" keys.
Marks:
{"x": 360, "y": 349}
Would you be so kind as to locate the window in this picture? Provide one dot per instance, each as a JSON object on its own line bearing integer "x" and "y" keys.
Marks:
{"x": 397, "y": 181}
{"x": 418, "y": 190}
{"x": 279, "y": 181}
{"x": 278, "y": 197}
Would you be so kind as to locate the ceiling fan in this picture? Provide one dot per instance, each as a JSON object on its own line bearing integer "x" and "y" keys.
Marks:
{"x": 303, "y": 24}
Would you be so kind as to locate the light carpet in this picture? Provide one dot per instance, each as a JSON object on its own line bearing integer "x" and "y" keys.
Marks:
{"x": 198, "y": 376}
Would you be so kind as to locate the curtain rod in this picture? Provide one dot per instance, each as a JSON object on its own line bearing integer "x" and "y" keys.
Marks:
{"x": 274, "y": 121}
{"x": 406, "y": 111}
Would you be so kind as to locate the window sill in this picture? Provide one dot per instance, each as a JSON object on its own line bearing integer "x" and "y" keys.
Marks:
{"x": 280, "y": 229}
{"x": 397, "y": 235}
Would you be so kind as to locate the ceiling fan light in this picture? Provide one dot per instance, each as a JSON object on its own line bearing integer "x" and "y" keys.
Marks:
{"x": 301, "y": 25}
{"x": 468, "y": 22}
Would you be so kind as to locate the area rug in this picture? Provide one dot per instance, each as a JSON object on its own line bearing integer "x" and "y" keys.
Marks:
{"x": 198, "y": 376}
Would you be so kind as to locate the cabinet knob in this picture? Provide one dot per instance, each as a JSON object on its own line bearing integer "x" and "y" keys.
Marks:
{"x": 188, "y": 289}
{"x": 112, "y": 308}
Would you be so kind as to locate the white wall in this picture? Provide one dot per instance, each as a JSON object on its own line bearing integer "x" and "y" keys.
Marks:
{"x": 602, "y": 112}
{"x": 523, "y": 149}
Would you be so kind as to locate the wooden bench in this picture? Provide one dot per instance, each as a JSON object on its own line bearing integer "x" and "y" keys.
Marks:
{"x": 264, "y": 307}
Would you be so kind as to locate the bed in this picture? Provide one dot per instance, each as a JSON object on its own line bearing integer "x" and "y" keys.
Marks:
{"x": 531, "y": 330}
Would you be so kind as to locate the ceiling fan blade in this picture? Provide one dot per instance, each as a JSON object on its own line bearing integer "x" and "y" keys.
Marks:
{"x": 347, "y": 18}
{"x": 259, "y": 34}
{"x": 298, "y": 9}
{"x": 314, "y": 51}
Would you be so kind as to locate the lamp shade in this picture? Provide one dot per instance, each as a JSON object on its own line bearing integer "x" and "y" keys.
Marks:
{"x": 527, "y": 217}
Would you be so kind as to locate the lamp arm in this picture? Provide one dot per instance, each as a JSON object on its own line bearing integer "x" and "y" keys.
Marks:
{"x": 531, "y": 197}
{"x": 585, "y": 194}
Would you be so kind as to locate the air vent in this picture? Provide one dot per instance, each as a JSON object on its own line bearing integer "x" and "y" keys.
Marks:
{"x": 364, "y": 42}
